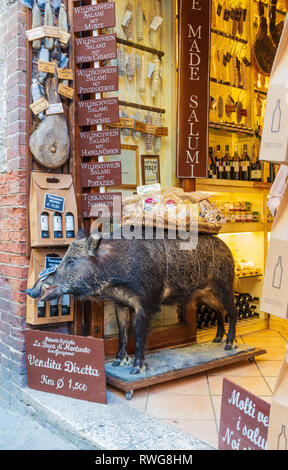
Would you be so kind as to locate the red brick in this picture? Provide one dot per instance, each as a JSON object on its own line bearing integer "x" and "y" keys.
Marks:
{"x": 14, "y": 271}
{"x": 16, "y": 164}
{"x": 17, "y": 260}
{"x": 13, "y": 200}
{"x": 13, "y": 235}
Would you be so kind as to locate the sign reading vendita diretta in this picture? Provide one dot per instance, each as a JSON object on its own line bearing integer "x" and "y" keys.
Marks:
{"x": 66, "y": 365}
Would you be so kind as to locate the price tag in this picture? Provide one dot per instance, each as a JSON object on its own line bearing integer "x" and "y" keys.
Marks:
{"x": 150, "y": 69}
{"x": 53, "y": 202}
{"x": 127, "y": 18}
{"x": 127, "y": 123}
{"x": 65, "y": 74}
{"x": 161, "y": 131}
{"x": 140, "y": 126}
{"x": 35, "y": 33}
{"x": 51, "y": 31}
{"x": 39, "y": 105}
{"x": 44, "y": 66}
{"x": 66, "y": 91}
{"x": 55, "y": 108}
{"x": 150, "y": 129}
{"x": 63, "y": 36}
{"x": 156, "y": 23}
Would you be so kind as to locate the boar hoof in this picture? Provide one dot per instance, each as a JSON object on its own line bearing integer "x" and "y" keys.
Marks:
{"x": 139, "y": 370}
{"x": 126, "y": 361}
{"x": 217, "y": 339}
{"x": 228, "y": 347}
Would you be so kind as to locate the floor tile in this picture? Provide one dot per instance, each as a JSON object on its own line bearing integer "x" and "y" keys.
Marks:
{"x": 255, "y": 385}
{"x": 139, "y": 399}
{"x": 241, "y": 368}
{"x": 272, "y": 354}
{"x": 193, "y": 385}
{"x": 216, "y": 400}
{"x": 265, "y": 332}
{"x": 269, "y": 368}
{"x": 205, "y": 430}
{"x": 271, "y": 382}
{"x": 265, "y": 341}
{"x": 180, "y": 407}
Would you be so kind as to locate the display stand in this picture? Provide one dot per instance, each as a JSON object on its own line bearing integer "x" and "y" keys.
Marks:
{"x": 170, "y": 364}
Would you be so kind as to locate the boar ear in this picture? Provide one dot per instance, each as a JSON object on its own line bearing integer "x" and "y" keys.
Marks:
{"x": 93, "y": 242}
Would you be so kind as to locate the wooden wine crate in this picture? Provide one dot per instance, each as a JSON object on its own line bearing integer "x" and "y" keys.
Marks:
{"x": 37, "y": 264}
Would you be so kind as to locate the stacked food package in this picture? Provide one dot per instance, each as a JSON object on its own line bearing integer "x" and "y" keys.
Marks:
{"x": 172, "y": 207}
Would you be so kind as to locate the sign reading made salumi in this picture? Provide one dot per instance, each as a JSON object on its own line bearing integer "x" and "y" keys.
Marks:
{"x": 94, "y": 143}
{"x": 93, "y": 112}
{"x": 101, "y": 15}
{"x": 244, "y": 419}
{"x": 193, "y": 105}
{"x": 94, "y": 48}
{"x": 66, "y": 365}
{"x": 101, "y": 174}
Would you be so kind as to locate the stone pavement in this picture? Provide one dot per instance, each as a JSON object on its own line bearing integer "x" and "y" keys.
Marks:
{"x": 115, "y": 426}
{"x": 22, "y": 432}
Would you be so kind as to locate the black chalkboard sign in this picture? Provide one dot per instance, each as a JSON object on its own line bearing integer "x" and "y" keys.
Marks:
{"x": 54, "y": 203}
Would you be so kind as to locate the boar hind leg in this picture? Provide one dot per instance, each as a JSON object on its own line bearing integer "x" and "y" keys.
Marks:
{"x": 123, "y": 318}
{"x": 232, "y": 316}
{"x": 226, "y": 298}
{"x": 208, "y": 297}
{"x": 142, "y": 327}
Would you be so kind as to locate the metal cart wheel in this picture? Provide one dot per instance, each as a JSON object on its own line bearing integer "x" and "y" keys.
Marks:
{"x": 129, "y": 394}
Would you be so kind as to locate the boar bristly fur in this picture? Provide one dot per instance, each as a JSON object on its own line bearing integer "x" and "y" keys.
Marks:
{"x": 140, "y": 275}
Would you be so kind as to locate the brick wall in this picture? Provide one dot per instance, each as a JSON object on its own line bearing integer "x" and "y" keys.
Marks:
{"x": 13, "y": 263}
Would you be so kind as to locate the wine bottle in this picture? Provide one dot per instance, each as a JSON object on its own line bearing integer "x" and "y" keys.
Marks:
{"x": 227, "y": 163}
{"x": 41, "y": 309}
{"x": 69, "y": 224}
{"x": 256, "y": 173}
{"x": 44, "y": 223}
{"x": 54, "y": 308}
{"x": 276, "y": 118}
{"x": 236, "y": 164}
{"x": 282, "y": 439}
{"x": 66, "y": 304}
{"x": 245, "y": 165}
{"x": 57, "y": 225}
{"x": 219, "y": 163}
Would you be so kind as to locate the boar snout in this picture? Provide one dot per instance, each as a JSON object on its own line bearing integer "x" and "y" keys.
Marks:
{"x": 46, "y": 290}
{"x": 35, "y": 291}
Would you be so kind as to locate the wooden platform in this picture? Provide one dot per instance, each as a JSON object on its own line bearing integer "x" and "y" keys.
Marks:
{"x": 170, "y": 364}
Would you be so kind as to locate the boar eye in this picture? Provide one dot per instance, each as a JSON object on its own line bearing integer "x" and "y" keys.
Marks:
{"x": 70, "y": 262}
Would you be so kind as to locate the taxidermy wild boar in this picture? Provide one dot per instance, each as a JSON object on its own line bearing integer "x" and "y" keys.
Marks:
{"x": 141, "y": 275}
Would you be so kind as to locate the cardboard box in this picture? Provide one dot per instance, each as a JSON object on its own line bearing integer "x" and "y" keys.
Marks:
{"x": 274, "y": 298}
{"x": 52, "y": 193}
{"x": 278, "y": 420}
{"x": 274, "y": 140}
{"x": 37, "y": 264}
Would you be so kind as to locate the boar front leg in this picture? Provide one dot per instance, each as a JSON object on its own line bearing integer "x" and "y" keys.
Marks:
{"x": 142, "y": 327}
{"x": 123, "y": 317}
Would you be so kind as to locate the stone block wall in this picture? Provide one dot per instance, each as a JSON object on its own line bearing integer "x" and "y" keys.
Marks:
{"x": 13, "y": 262}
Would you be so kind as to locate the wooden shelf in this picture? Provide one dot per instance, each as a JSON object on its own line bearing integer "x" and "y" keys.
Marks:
{"x": 232, "y": 184}
{"x": 227, "y": 127}
{"x": 241, "y": 227}
{"x": 249, "y": 276}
